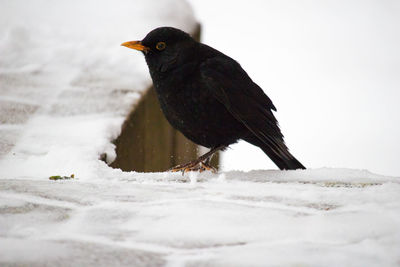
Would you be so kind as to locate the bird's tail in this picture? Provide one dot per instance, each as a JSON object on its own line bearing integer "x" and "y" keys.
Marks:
{"x": 280, "y": 156}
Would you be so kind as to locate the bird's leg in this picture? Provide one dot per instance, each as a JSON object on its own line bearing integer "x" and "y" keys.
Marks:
{"x": 206, "y": 166}
{"x": 201, "y": 164}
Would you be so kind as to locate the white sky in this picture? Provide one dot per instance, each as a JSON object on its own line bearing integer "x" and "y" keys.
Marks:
{"x": 331, "y": 68}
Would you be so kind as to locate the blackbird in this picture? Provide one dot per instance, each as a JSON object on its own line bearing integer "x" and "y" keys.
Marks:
{"x": 208, "y": 97}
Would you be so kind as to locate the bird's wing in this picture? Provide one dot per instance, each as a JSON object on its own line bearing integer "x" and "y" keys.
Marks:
{"x": 245, "y": 100}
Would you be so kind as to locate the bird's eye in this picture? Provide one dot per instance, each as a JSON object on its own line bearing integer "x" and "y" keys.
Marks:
{"x": 160, "y": 46}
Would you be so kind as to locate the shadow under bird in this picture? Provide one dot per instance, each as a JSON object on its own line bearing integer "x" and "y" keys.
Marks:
{"x": 208, "y": 97}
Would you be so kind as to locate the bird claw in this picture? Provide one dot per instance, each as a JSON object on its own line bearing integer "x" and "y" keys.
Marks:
{"x": 193, "y": 166}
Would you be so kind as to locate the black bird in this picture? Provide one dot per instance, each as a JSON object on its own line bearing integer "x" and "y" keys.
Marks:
{"x": 209, "y": 98}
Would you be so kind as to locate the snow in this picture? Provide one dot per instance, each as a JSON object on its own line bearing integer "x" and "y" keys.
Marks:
{"x": 67, "y": 84}
{"x": 65, "y": 88}
{"x": 258, "y": 218}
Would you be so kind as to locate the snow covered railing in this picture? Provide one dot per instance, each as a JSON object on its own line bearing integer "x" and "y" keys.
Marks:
{"x": 67, "y": 86}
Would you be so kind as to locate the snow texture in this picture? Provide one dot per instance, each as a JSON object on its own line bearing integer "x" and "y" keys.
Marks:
{"x": 67, "y": 85}
{"x": 324, "y": 217}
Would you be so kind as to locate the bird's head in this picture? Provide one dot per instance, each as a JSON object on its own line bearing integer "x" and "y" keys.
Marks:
{"x": 165, "y": 48}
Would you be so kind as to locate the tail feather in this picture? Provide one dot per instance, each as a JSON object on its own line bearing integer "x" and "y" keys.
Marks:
{"x": 282, "y": 158}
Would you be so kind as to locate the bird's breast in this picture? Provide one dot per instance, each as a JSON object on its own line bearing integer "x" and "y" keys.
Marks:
{"x": 191, "y": 109}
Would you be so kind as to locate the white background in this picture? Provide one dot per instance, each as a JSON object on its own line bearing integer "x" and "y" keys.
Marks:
{"x": 332, "y": 69}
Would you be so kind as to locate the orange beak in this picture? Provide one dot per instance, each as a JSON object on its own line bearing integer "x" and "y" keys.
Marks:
{"x": 137, "y": 45}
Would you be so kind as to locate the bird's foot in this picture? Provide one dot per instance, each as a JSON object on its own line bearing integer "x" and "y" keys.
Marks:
{"x": 199, "y": 166}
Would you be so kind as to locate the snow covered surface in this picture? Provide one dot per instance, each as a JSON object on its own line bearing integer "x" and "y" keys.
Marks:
{"x": 65, "y": 88}
{"x": 67, "y": 84}
{"x": 323, "y": 217}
